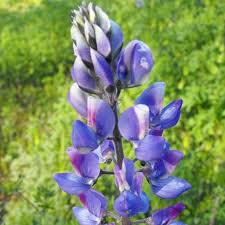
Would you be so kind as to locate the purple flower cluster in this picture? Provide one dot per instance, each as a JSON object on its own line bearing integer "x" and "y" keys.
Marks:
{"x": 102, "y": 69}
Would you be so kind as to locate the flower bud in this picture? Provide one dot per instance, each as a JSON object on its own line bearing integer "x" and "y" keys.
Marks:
{"x": 134, "y": 64}
{"x": 97, "y": 41}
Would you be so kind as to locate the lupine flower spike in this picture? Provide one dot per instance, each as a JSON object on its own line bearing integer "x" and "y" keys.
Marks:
{"x": 102, "y": 68}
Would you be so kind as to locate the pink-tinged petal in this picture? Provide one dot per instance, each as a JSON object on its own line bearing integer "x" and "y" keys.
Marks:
{"x": 134, "y": 122}
{"x": 124, "y": 177}
{"x": 150, "y": 148}
{"x": 171, "y": 159}
{"x": 100, "y": 117}
{"x": 170, "y": 115}
{"x": 116, "y": 38}
{"x": 120, "y": 179}
{"x": 169, "y": 188}
{"x": 102, "y": 41}
{"x": 153, "y": 98}
{"x": 82, "y": 76}
{"x": 84, "y": 217}
{"x": 166, "y": 215}
{"x": 137, "y": 183}
{"x": 94, "y": 201}
{"x": 83, "y": 138}
{"x": 78, "y": 99}
{"x": 86, "y": 165}
{"x": 102, "y": 69}
{"x": 72, "y": 184}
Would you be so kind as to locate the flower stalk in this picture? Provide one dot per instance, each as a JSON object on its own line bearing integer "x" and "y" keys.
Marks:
{"x": 102, "y": 69}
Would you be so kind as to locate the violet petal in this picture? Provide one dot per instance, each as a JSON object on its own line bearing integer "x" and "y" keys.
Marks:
{"x": 86, "y": 165}
{"x": 102, "y": 69}
{"x": 72, "y": 184}
{"x": 166, "y": 215}
{"x": 100, "y": 117}
{"x": 82, "y": 76}
{"x": 170, "y": 115}
{"x": 134, "y": 122}
{"x": 170, "y": 187}
{"x": 83, "y": 137}
{"x": 153, "y": 97}
{"x": 150, "y": 148}
{"x": 85, "y": 217}
{"x": 103, "y": 44}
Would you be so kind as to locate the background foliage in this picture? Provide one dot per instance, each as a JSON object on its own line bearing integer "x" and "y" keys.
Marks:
{"x": 187, "y": 40}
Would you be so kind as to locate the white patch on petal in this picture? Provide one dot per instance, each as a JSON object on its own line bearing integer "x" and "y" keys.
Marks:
{"x": 144, "y": 63}
{"x": 142, "y": 113}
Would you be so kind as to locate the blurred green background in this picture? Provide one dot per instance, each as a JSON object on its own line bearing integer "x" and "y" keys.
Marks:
{"x": 187, "y": 41}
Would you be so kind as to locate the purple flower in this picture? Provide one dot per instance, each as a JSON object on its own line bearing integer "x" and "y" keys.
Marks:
{"x": 100, "y": 71}
{"x": 160, "y": 118}
{"x": 166, "y": 165}
{"x": 87, "y": 138}
{"x": 158, "y": 173}
{"x": 83, "y": 137}
{"x": 134, "y": 64}
{"x": 105, "y": 151}
{"x": 129, "y": 204}
{"x": 97, "y": 41}
{"x": 150, "y": 148}
{"x": 86, "y": 167}
{"x": 131, "y": 200}
{"x": 72, "y": 184}
{"x": 134, "y": 122}
{"x": 134, "y": 126}
{"x": 167, "y": 215}
{"x": 98, "y": 113}
{"x": 95, "y": 205}
{"x": 82, "y": 76}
